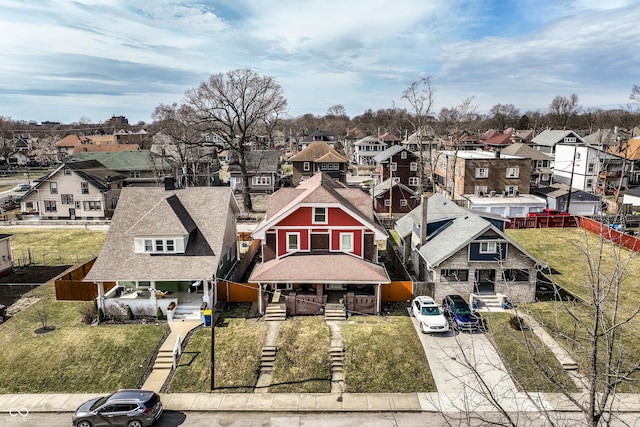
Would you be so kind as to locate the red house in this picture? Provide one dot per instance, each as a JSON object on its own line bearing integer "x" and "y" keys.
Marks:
{"x": 319, "y": 246}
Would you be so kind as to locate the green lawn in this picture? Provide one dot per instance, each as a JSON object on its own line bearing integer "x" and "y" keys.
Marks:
{"x": 238, "y": 343}
{"x": 383, "y": 354}
{"x": 74, "y": 357}
{"x": 302, "y": 363}
{"x": 524, "y": 356}
{"x": 54, "y": 246}
{"x": 578, "y": 260}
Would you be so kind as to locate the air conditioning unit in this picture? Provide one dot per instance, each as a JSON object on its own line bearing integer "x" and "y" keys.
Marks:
{"x": 492, "y": 193}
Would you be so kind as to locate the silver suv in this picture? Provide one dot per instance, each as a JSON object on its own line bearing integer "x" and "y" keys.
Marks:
{"x": 130, "y": 408}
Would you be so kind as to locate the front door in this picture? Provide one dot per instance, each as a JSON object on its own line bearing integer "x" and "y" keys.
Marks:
{"x": 485, "y": 282}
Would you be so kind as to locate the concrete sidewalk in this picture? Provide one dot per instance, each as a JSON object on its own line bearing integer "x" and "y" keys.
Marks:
{"x": 291, "y": 402}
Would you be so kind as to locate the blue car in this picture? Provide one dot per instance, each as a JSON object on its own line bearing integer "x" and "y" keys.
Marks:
{"x": 460, "y": 314}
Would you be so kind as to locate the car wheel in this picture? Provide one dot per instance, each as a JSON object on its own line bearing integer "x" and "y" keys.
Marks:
{"x": 134, "y": 423}
{"x": 422, "y": 328}
{"x": 83, "y": 423}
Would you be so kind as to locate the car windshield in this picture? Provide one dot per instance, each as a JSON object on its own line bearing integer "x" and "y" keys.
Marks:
{"x": 461, "y": 309}
{"x": 430, "y": 311}
{"x": 100, "y": 402}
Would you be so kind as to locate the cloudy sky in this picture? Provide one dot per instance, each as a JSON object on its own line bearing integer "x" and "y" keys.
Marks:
{"x": 63, "y": 60}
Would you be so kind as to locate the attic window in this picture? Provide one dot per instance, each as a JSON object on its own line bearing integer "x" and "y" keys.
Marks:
{"x": 67, "y": 171}
{"x": 403, "y": 154}
{"x": 319, "y": 215}
{"x": 488, "y": 247}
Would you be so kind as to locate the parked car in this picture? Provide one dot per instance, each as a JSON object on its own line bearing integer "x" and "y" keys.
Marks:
{"x": 548, "y": 212}
{"x": 129, "y": 408}
{"x": 429, "y": 315}
{"x": 461, "y": 316}
{"x": 3, "y": 312}
{"x": 22, "y": 187}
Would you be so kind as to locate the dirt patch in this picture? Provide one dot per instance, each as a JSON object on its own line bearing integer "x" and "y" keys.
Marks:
{"x": 34, "y": 274}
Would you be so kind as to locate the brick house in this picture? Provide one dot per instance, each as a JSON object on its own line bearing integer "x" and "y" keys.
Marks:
{"x": 399, "y": 162}
{"x": 318, "y": 157}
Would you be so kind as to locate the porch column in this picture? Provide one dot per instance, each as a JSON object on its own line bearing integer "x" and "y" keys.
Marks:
{"x": 260, "y": 308}
{"x": 100, "y": 295}
{"x": 205, "y": 292}
{"x": 379, "y": 298}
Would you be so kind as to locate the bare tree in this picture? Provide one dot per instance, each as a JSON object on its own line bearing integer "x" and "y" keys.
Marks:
{"x": 234, "y": 105}
{"x": 180, "y": 134}
{"x": 635, "y": 93}
{"x": 46, "y": 151}
{"x": 337, "y": 110}
{"x": 564, "y": 108}
{"x": 504, "y": 115}
{"x": 419, "y": 95}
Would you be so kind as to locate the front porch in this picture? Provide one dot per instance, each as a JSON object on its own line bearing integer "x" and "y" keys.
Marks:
{"x": 312, "y": 299}
{"x": 186, "y": 299}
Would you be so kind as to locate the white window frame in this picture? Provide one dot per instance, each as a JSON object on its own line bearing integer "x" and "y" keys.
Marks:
{"x": 320, "y": 210}
{"x": 349, "y": 247}
{"x": 92, "y": 205}
{"x": 513, "y": 172}
{"x": 511, "y": 189}
{"x": 84, "y": 187}
{"x": 480, "y": 190}
{"x": 414, "y": 181}
{"x": 413, "y": 166}
{"x": 393, "y": 166}
{"x": 306, "y": 166}
{"x": 53, "y": 187}
{"x": 403, "y": 154}
{"x": 488, "y": 247}
{"x": 260, "y": 180}
{"x": 482, "y": 172}
{"x": 67, "y": 171}
{"x": 404, "y": 202}
{"x": 291, "y": 248}
{"x": 387, "y": 202}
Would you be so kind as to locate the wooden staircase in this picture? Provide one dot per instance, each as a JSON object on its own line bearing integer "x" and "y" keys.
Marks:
{"x": 267, "y": 358}
{"x": 335, "y": 312}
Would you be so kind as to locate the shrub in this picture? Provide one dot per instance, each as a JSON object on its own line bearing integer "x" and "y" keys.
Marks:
{"x": 160, "y": 314}
{"x": 89, "y": 313}
{"x": 517, "y": 323}
{"x": 130, "y": 315}
{"x": 100, "y": 315}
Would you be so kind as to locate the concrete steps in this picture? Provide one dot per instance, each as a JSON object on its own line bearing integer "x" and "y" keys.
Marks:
{"x": 267, "y": 358}
{"x": 276, "y": 312}
{"x": 186, "y": 312}
{"x": 336, "y": 356}
{"x": 489, "y": 301}
{"x": 164, "y": 360}
{"x": 335, "y": 312}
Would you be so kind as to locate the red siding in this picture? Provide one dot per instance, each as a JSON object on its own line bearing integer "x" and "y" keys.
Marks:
{"x": 303, "y": 216}
{"x": 282, "y": 240}
{"x": 357, "y": 241}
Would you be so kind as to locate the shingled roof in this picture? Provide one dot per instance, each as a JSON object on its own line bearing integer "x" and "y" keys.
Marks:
{"x": 200, "y": 212}
{"x": 316, "y": 150}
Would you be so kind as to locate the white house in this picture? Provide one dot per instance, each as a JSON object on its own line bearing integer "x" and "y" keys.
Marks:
{"x": 588, "y": 168}
{"x": 365, "y": 149}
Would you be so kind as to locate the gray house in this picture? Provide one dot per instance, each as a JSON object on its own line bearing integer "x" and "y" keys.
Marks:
{"x": 464, "y": 253}
{"x": 263, "y": 170}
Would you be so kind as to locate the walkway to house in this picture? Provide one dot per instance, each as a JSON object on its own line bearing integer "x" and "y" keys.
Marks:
{"x": 336, "y": 352}
{"x": 568, "y": 364}
{"x": 269, "y": 350}
{"x": 163, "y": 363}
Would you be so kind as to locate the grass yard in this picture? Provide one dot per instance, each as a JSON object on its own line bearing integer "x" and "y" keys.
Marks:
{"x": 524, "y": 355}
{"x": 238, "y": 343}
{"x": 55, "y": 246}
{"x": 302, "y": 363}
{"x": 384, "y": 355}
{"x": 581, "y": 258}
{"x": 74, "y": 357}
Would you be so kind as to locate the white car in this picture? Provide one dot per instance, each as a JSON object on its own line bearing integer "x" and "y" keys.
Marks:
{"x": 429, "y": 315}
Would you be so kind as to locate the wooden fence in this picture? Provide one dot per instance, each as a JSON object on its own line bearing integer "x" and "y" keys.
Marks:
{"x": 628, "y": 241}
{"x": 398, "y": 291}
{"x": 559, "y": 221}
{"x": 70, "y": 287}
{"x": 237, "y": 292}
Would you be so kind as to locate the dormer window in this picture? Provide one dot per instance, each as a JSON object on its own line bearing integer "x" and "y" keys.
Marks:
{"x": 160, "y": 245}
{"x": 319, "y": 215}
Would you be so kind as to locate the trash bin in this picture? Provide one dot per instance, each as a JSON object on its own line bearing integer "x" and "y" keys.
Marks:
{"x": 206, "y": 317}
